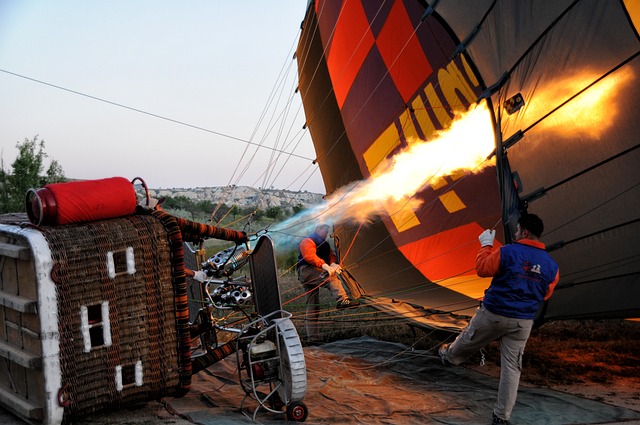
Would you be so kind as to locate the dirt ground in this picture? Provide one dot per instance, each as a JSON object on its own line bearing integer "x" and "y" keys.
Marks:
{"x": 596, "y": 360}
{"x": 623, "y": 391}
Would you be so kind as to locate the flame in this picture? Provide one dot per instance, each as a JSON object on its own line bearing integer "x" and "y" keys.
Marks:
{"x": 461, "y": 149}
{"x": 590, "y": 114}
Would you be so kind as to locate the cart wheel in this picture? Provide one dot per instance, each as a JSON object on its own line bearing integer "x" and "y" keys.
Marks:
{"x": 297, "y": 411}
{"x": 292, "y": 373}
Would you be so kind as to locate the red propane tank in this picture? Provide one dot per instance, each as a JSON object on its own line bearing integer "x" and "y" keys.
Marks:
{"x": 82, "y": 201}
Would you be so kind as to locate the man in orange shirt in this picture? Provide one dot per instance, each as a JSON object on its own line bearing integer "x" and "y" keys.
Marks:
{"x": 524, "y": 275}
{"x": 317, "y": 267}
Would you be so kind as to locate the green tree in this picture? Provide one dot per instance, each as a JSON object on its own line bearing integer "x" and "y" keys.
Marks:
{"x": 258, "y": 213}
{"x": 4, "y": 185}
{"x": 206, "y": 206}
{"x": 27, "y": 174}
{"x": 247, "y": 210}
{"x": 235, "y": 210}
{"x": 274, "y": 212}
{"x": 178, "y": 202}
{"x": 55, "y": 173}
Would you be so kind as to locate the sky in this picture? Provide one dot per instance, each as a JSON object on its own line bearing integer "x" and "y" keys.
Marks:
{"x": 181, "y": 94}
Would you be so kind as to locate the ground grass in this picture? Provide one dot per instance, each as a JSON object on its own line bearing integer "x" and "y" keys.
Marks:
{"x": 569, "y": 352}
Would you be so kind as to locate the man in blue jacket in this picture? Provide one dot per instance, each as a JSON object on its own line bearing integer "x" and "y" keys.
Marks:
{"x": 524, "y": 275}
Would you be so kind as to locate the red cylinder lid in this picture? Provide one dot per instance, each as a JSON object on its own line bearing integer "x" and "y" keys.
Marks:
{"x": 41, "y": 207}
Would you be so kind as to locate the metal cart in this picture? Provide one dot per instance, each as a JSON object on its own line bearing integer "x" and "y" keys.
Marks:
{"x": 271, "y": 364}
{"x": 273, "y": 360}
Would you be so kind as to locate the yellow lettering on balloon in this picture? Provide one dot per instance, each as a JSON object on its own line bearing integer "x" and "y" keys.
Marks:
{"x": 438, "y": 108}
{"x": 381, "y": 148}
{"x": 438, "y": 183}
{"x": 402, "y": 215}
{"x": 469, "y": 72}
{"x": 457, "y": 93}
{"x": 452, "y": 201}
{"x": 400, "y": 212}
{"x": 422, "y": 117}
{"x": 408, "y": 128}
{"x": 455, "y": 88}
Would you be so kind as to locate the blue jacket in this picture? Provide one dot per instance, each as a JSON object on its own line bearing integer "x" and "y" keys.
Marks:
{"x": 323, "y": 253}
{"x": 524, "y": 279}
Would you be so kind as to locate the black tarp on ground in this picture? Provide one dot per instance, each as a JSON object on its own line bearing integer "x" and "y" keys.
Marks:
{"x": 367, "y": 381}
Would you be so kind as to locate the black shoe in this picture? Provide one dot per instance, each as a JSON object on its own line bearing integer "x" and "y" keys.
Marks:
{"x": 347, "y": 303}
{"x": 497, "y": 420}
{"x": 443, "y": 358}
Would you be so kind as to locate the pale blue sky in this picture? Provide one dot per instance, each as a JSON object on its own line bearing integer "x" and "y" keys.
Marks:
{"x": 210, "y": 64}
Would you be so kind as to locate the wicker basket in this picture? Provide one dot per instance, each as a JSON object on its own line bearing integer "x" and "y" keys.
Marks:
{"x": 94, "y": 316}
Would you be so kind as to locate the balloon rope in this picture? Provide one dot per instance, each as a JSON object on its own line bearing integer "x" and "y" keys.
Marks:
{"x": 307, "y": 292}
{"x": 350, "y": 245}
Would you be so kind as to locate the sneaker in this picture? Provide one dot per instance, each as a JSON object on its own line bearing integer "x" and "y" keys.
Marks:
{"x": 496, "y": 420}
{"x": 441, "y": 353}
{"x": 347, "y": 303}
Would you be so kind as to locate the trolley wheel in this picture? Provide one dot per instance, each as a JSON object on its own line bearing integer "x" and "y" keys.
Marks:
{"x": 297, "y": 411}
{"x": 292, "y": 372}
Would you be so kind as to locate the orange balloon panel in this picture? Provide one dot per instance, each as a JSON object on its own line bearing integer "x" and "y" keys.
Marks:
{"x": 444, "y": 259}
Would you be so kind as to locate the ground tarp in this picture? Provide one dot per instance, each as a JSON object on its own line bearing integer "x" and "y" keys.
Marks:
{"x": 366, "y": 381}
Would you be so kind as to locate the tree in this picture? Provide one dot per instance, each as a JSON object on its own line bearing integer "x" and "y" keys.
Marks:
{"x": 274, "y": 212}
{"x": 27, "y": 174}
{"x": 4, "y": 192}
{"x": 235, "y": 210}
{"x": 258, "y": 213}
{"x": 55, "y": 173}
{"x": 205, "y": 206}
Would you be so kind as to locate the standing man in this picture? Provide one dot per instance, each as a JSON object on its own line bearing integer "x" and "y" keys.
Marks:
{"x": 317, "y": 267}
{"x": 523, "y": 276}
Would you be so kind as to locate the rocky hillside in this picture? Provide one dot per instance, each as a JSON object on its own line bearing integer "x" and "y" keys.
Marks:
{"x": 243, "y": 196}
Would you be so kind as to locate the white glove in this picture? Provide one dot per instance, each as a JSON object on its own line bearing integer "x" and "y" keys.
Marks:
{"x": 200, "y": 276}
{"x": 336, "y": 268}
{"x": 328, "y": 269}
{"x": 486, "y": 238}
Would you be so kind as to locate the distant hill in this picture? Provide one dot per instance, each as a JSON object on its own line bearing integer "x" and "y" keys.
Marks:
{"x": 243, "y": 196}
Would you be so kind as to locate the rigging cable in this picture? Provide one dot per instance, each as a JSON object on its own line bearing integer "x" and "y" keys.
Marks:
{"x": 281, "y": 117}
{"x": 331, "y": 90}
{"x": 120, "y": 105}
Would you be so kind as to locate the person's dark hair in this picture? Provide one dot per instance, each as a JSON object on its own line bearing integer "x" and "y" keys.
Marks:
{"x": 532, "y": 223}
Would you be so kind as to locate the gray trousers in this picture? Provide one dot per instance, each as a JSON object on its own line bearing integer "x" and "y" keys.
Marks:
{"x": 483, "y": 328}
{"x": 312, "y": 278}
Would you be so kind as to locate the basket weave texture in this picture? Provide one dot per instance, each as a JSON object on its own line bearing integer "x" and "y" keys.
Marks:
{"x": 141, "y": 310}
